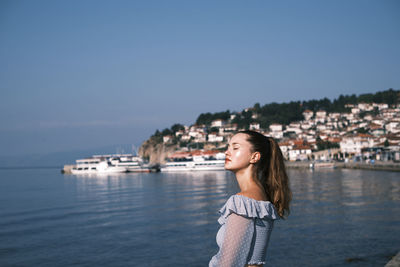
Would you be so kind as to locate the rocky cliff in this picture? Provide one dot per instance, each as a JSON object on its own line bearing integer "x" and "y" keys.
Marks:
{"x": 156, "y": 152}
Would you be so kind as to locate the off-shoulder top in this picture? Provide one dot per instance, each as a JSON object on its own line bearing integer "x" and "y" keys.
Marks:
{"x": 243, "y": 237}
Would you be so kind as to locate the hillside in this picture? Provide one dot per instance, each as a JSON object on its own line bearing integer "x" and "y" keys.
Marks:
{"x": 211, "y": 130}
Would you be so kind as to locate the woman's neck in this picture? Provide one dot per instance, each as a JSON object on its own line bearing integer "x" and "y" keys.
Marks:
{"x": 245, "y": 179}
{"x": 248, "y": 186}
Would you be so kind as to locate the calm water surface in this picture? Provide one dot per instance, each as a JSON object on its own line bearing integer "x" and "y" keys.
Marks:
{"x": 339, "y": 218}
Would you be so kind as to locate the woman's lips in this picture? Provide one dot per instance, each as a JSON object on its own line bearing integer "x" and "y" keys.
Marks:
{"x": 227, "y": 160}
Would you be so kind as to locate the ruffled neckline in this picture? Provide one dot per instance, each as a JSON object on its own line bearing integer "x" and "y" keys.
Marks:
{"x": 248, "y": 207}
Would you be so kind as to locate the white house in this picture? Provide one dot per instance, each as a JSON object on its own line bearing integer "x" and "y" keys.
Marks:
{"x": 320, "y": 116}
{"x": 381, "y": 106}
{"x": 354, "y": 144}
{"x": 308, "y": 114}
{"x": 217, "y": 123}
{"x": 392, "y": 126}
{"x": 200, "y": 138}
{"x": 389, "y": 113}
{"x": 290, "y": 128}
{"x": 365, "y": 106}
{"x": 275, "y": 127}
{"x": 167, "y": 138}
{"x": 228, "y": 128}
{"x": 306, "y": 125}
{"x": 349, "y": 106}
{"x": 355, "y": 110}
{"x": 335, "y": 116}
{"x": 285, "y": 147}
{"x": 348, "y": 116}
{"x": 185, "y": 137}
{"x": 215, "y": 138}
{"x": 254, "y": 126}
{"x": 276, "y": 131}
{"x": 300, "y": 153}
{"x": 179, "y": 133}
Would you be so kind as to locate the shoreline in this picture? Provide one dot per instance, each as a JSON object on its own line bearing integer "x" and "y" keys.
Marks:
{"x": 377, "y": 166}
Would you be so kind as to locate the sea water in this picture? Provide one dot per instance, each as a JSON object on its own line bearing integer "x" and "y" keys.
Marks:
{"x": 338, "y": 218}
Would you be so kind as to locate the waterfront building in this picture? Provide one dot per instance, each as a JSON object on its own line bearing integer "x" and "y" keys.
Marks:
{"x": 300, "y": 152}
{"x": 378, "y": 120}
{"x": 355, "y": 143}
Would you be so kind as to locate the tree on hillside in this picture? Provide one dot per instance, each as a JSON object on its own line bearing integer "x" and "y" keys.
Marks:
{"x": 177, "y": 127}
{"x": 166, "y": 132}
{"x": 207, "y": 118}
{"x": 243, "y": 119}
{"x": 284, "y": 113}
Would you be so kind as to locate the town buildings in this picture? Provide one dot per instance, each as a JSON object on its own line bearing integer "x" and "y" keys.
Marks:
{"x": 368, "y": 131}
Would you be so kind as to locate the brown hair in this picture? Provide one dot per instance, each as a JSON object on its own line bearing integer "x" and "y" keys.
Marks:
{"x": 270, "y": 171}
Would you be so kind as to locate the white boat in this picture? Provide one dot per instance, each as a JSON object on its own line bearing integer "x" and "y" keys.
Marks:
{"x": 129, "y": 162}
{"x": 113, "y": 163}
{"x": 322, "y": 165}
{"x": 197, "y": 163}
{"x": 95, "y": 165}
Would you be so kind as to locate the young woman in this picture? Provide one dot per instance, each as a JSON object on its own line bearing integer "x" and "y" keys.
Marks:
{"x": 247, "y": 218}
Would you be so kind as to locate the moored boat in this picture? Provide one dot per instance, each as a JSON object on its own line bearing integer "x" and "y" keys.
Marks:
{"x": 322, "y": 165}
{"x": 130, "y": 163}
{"x": 95, "y": 165}
{"x": 114, "y": 163}
{"x": 196, "y": 163}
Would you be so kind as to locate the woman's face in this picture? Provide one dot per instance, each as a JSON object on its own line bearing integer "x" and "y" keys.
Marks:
{"x": 238, "y": 153}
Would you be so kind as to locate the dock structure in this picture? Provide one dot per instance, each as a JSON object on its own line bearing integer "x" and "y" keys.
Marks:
{"x": 67, "y": 169}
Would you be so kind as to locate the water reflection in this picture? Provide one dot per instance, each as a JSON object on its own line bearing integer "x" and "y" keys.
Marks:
{"x": 336, "y": 214}
{"x": 342, "y": 214}
{"x": 124, "y": 219}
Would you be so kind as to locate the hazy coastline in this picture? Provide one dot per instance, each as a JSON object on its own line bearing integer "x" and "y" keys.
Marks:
{"x": 376, "y": 166}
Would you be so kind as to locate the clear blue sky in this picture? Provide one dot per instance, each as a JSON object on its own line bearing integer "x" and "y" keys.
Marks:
{"x": 84, "y": 74}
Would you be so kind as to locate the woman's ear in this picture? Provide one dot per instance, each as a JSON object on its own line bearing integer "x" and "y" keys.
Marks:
{"x": 255, "y": 157}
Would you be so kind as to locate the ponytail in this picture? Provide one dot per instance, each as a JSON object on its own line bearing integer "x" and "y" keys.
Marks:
{"x": 278, "y": 181}
{"x": 270, "y": 171}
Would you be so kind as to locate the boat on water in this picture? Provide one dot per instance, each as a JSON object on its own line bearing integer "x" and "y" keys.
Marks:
{"x": 196, "y": 163}
{"x": 130, "y": 163}
{"x": 95, "y": 165}
{"x": 116, "y": 163}
{"x": 322, "y": 165}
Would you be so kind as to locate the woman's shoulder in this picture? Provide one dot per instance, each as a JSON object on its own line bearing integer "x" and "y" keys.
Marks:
{"x": 249, "y": 207}
{"x": 258, "y": 196}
